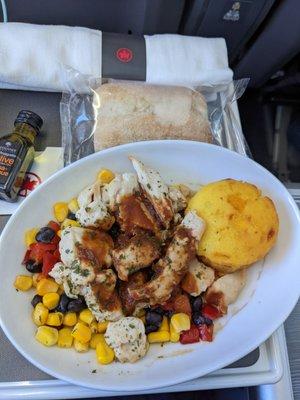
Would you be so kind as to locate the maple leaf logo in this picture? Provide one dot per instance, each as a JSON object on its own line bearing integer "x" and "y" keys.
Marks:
{"x": 124, "y": 54}
{"x": 30, "y": 182}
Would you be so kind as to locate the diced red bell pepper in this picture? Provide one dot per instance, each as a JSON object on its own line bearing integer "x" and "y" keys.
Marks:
{"x": 54, "y": 225}
{"x": 55, "y": 240}
{"x": 37, "y": 250}
{"x": 190, "y": 336}
{"x": 49, "y": 260}
{"x": 211, "y": 312}
{"x": 167, "y": 306}
{"x": 26, "y": 257}
{"x": 56, "y": 254}
{"x": 181, "y": 303}
{"x": 206, "y": 332}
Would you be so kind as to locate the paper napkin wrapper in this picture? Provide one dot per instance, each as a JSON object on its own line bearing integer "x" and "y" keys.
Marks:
{"x": 45, "y": 164}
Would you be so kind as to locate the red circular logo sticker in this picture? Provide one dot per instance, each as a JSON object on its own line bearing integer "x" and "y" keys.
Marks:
{"x": 30, "y": 182}
{"x": 124, "y": 54}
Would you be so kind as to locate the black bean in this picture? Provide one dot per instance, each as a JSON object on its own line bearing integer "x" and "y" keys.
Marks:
{"x": 197, "y": 303}
{"x": 45, "y": 235}
{"x": 76, "y": 305}
{"x": 150, "y": 328}
{"x": 33, "y": 267}
{"x": 158, "y": 310}
{"x": 71, "y": 216}
{"x": 168, "y": 313}
{"x": 36, "y": 299}
{"x": 63, "y": 303}
{"x": 199, "y": 319}
{"x": 153, "y": 318}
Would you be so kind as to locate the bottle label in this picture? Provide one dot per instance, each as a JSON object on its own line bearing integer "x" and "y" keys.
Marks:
{"x": 8, "y": 154}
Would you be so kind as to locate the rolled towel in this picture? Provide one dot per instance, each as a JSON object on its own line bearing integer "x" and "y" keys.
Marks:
{"x": 187, "y": 60}
{"x": 32, "y": 56}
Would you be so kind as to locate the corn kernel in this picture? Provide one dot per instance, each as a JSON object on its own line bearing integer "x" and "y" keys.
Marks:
{"x": 86, "y": 316}
{"x": 73, "y": 205}
{"x": 105, "y": 176}
{"x": 46, "y": 286}
{"x": 65, "y": 338}
{"x": 50, "y": 300}
{"x": 60, "y": 211}
{"x": 94, "y": 327}
{"x": 81, "y": 347}
{"x": 164, "y": 327}
{"x": 69, "y": 222}
{"x": 60, "y": 289}
{"x": 70, "y": 319}
{"x": 46, "y": 335}
{"x": 104, "y": 353}
{"x": 180, "y": 322}
{"x": 36, "y": 278}
{"x": 55, "y": 319}
{"x": 30, "y": 236}
{"x": 174, "y": 336}
{"x": 81, "y": 332}
{"x": 102, "y": 326}
{"x": 158, "y": 337}
{"x": 23, "y": 282}
{"x": 40, "y": 314}
{"x": 96, "y": 338}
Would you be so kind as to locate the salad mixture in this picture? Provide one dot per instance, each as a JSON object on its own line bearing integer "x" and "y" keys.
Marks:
{"x": 132, "y": 261}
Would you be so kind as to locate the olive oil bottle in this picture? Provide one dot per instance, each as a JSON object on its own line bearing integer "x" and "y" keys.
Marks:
{"x": 17, "y": 153}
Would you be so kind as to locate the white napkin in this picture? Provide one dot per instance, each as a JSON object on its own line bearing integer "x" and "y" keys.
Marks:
{"x": 31, "y": 56}
{"x": 45, "y": 164}
{"x": 187, "y": 60}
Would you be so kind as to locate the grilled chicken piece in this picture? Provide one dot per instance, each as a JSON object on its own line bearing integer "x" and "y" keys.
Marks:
{"x": 226, "y": 290}
{"x": 178, "y": 197}
{"x": 128, "y": 339}
{"x": 104, "y": 284}
{"x": 133, "y": 215}
{"x": 103, "y": 310}
{"x": 92, "y": 210}
{"x": 198, "y": 278}
{"x": 135, "y": 253}
{"x": 89, "y": 247}
{"x": 135, "y": 280}
{"x": 155, "y": 190}
{"x": 84, "y": 252}
{"x": 171, "y": 269}
{"x": 123, "y": 185}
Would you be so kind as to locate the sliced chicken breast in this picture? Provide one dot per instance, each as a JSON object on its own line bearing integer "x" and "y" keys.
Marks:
{"x": 121, "y": 186}
{"x": 155, "y": 190}
{"x": 128, "y": 339}
{"x": 170, "y": 270}
{"x": 198, "y": 278}
{"x": 133, "y": 215}
{"x": 90, "y": 247}
{"x": 135, "y": 253}
{"x": 93, "y": 211}
{"x": 130, "y": 305}
{"x": 225, "y": 290}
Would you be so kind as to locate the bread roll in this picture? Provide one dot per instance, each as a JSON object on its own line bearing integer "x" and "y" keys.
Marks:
{"x": 131, "y": 112}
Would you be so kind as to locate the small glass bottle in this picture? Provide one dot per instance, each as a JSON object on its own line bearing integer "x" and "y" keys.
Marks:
{"x": 17, "y": 153}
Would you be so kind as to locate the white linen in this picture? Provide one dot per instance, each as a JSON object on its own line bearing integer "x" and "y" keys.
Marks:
{"x": 32, "y": 56}
{"x": 187, "y": 60}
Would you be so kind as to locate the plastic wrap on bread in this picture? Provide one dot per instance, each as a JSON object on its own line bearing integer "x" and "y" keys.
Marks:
{"x": 97, "y": 115}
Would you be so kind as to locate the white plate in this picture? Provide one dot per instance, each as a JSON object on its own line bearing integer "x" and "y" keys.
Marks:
{"x": 276, "y": 292}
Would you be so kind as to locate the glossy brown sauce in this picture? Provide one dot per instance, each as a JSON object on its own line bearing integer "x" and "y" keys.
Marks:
{"x": 95, "y": 246}
{"x": 134, "y": 214}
